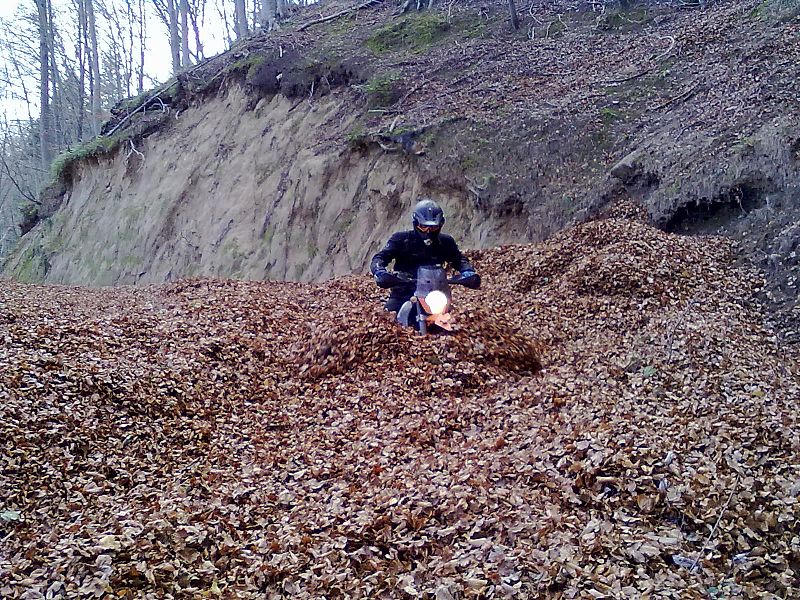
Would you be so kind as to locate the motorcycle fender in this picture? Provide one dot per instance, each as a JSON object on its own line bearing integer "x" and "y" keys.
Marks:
{"x": 444, "y": 321}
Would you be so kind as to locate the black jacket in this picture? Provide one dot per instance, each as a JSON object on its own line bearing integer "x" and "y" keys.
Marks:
{"x": 409, "y": 252}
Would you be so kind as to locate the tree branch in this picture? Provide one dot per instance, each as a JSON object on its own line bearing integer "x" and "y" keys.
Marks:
{"x": 714, "y": 529}
{"x": 341, "y": 13}
{"x": 682, "y": 96}
{"x": 127, "y": 117}
{"x": 26, "y": 195}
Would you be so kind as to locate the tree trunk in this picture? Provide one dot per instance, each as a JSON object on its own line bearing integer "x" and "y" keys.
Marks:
{"x": 223, "y": 15}
{"x": 174, "y": 38}
{"x": 94, "y": 78}
{"x": 240, "y": 19}
{"x": 184, "y": 10}
{"x": 512, "y": 11}
{"x": 116, "y": 50}
{"x": 129, "y": 71}
{"x": 140, "y": 81}
{"x": 45, "y": 133}
{"x": 22, "y": 78}
{"x": 81, "y": 60}
{"x": 198, "y": 45}
{"x": 57, "y": 116}
{"x": 269, "y": 12}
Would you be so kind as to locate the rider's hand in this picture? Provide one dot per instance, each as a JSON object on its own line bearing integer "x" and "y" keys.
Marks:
{"x": 383, "y": 278}
{"x": 387, "y": 279}
{"x": 470, "y": 279}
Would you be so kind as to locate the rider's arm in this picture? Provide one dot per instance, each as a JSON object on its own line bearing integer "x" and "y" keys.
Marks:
{"x": 459, "y": 262}
{"x": 381, "y": 260}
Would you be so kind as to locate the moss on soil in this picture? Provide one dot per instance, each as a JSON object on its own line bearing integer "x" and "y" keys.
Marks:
{"x": 783, "y": 9}
{"x": 93, "y": 148}
{"x": 415, "y": 33}
{"x": 357, "y": 136}
{"x": 248, "y": 65}
{"x": 623, "y": 21}
{"x": 383, "y": 90}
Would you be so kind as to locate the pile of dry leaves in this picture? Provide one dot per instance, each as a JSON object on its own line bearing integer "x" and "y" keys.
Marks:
{"x": 238, "y": 439}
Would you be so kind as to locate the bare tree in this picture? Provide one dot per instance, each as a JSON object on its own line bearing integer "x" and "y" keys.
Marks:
{"x": 80, "y": 57}
{"x": 94, "y": 63}
{"x": 45, "y": 131}
{"x": 119, "y": 51}
{"x": 240, "y": 19}
{"x": 142, "y": 34}
{"x": 129, "y": 71}
{"x": 197, "y": 16}
{"x": 222, "y": 11}
{"x": 184, "y": 14}
{"x": 21, "y": 73}
{"x": 56, "y": 99}
{"x": 512, "y": 11}
{"x": 269, "y": 14}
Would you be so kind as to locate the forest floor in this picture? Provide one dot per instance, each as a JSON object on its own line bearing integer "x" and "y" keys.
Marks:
{"x": 614, "y": 419}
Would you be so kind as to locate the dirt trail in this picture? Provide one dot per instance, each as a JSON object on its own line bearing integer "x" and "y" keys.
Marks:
{"x": 238, "y": 439}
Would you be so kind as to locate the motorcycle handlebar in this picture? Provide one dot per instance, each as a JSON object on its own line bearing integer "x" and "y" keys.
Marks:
{"x": 412, "y": 281}
{"x": 456, "y": 280}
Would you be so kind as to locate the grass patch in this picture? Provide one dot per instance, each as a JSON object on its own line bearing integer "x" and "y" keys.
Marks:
{"x": 357, "y": 137}
{"x": 131, "y": 260}
{"x": 784, "y": 10}
{"x": 32, "y": 266}
{"x": 554, "y": 28}
{"x": 166, "y": 92}
{"x": 744, "y": 143}
{"x": 248, "y": 65}
{"x": 382, "y": 90}
{"x": 622, "y": 21}
{"x": 610, "y": 115}
{"x": 268, "y": 235}
{"x": 93, "y": 148}
{"x": 130, "y": 104}
{"x": 469, "y": 162}
{"x": 471, "y": 27}
{"x": 415, "y": 33}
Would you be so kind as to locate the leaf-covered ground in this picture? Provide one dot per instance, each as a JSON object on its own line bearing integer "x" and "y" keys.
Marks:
{"x": 263, "y": 440}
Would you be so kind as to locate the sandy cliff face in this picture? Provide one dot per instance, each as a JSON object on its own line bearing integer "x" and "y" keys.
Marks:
{"x": 233, "y": 190}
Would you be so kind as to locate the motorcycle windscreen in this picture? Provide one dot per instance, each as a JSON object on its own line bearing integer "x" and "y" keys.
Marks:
{"x": 430, "y": 278}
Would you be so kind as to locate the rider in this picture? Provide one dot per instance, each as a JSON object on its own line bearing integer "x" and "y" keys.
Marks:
{"x": 423, "y": 245}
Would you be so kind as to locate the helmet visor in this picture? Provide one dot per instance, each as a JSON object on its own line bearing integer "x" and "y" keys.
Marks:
{"x": 429, "y": 228}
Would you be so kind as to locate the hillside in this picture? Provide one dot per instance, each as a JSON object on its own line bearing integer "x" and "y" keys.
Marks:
{"x": 615, "y": 421}
{"x": 295, "y": 154}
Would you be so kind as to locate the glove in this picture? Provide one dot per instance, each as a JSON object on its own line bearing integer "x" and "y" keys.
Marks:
{"x": 470, "y": 279}
{"x": 387, "y": 279}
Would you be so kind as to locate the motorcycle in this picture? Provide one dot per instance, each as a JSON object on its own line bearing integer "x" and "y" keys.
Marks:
{"x": 429, "y": 307}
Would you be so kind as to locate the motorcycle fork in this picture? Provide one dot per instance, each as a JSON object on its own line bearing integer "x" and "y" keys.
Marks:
{"x": 422, "y": 321}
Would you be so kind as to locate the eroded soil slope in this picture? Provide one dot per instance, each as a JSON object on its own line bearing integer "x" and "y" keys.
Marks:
{"x": 235, "y": 439}
{"x": 235, "y": 190}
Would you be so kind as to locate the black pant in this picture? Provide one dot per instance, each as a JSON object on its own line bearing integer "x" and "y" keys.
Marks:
{"x": 394, "y": 305}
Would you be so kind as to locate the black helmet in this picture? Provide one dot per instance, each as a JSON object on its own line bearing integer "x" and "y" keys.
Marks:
{"x": 428, "y": 218}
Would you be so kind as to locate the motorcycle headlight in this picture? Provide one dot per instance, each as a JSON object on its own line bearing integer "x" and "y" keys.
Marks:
{"x": 436, "y": 301}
